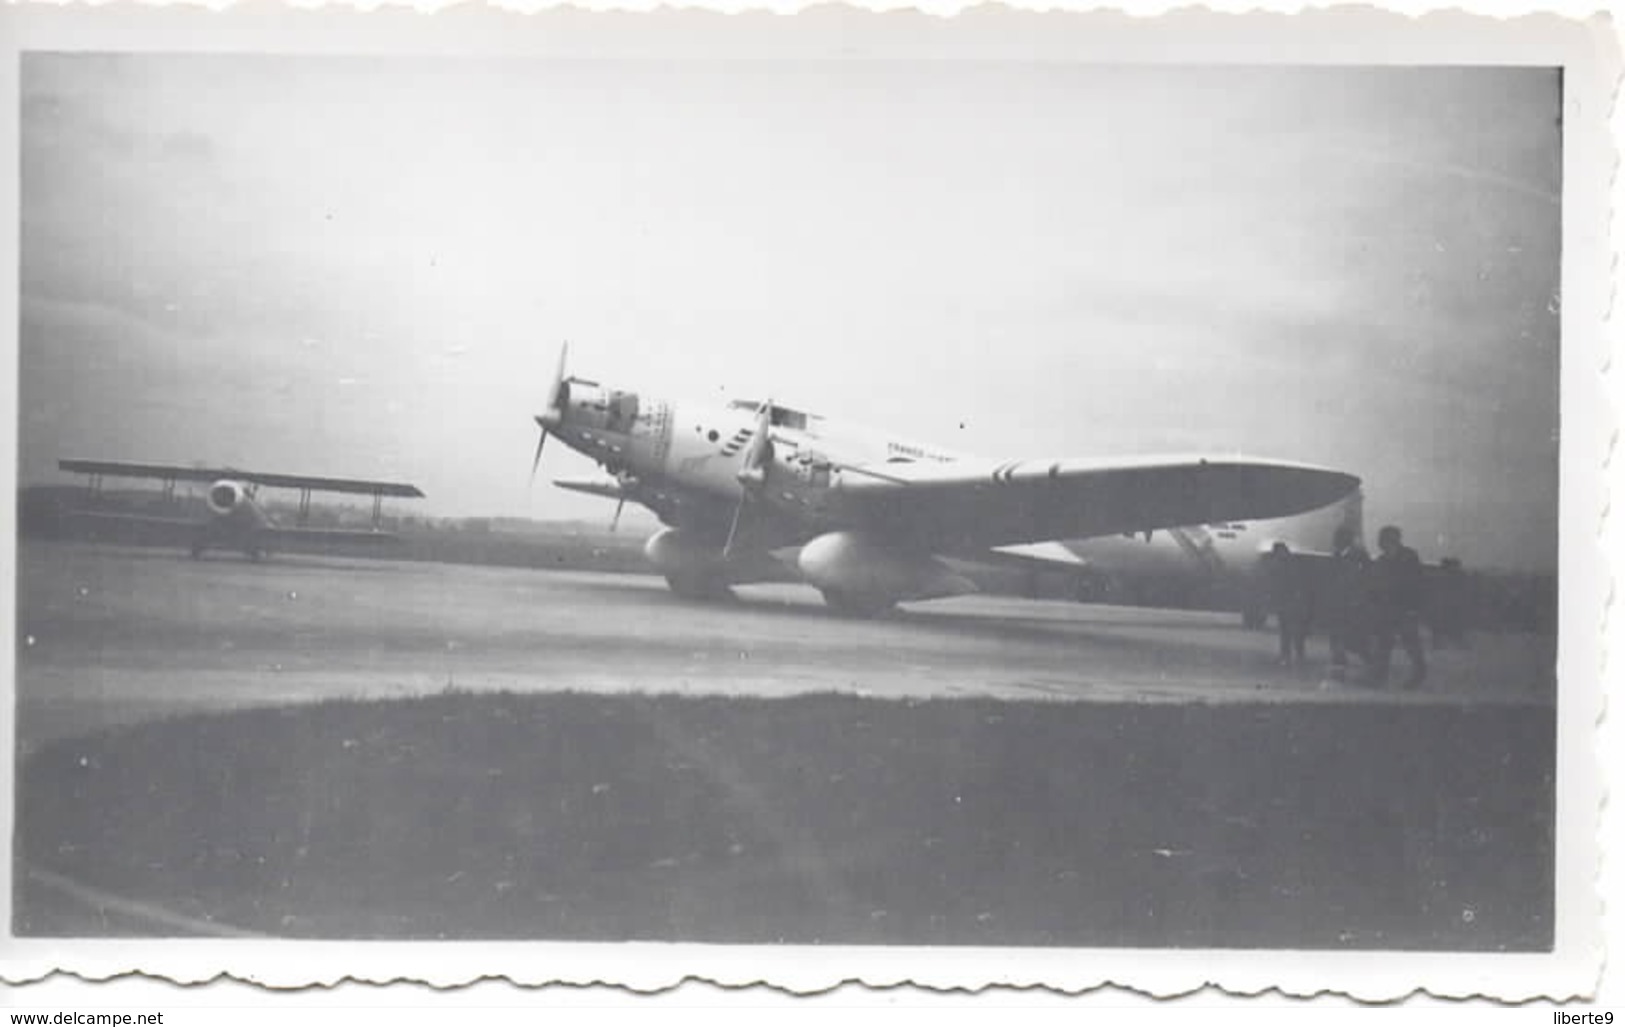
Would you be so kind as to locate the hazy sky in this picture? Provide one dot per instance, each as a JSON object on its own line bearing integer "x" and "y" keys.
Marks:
{"x": 365, "y": 267}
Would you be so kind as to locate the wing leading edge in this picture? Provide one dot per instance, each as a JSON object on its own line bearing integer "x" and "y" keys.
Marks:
{"x": 171, "y": 472}
{"x": 972, "y": 505}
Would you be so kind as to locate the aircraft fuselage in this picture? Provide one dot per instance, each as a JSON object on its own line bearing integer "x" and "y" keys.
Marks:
{"x": 701, "y": 447}
{"x": 737, "y": 481}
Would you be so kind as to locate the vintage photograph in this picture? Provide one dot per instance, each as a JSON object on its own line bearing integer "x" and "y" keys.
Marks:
{"x": 795, "y": 502}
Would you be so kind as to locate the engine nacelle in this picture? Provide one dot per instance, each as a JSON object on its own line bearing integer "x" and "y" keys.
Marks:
{"x": 226, "y": 497}
{"x": 855, "y": 566}
{"x": 693, "y": 568}
{"x": 673, "y": 551}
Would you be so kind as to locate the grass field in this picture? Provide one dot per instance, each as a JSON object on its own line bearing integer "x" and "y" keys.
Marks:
{"x": 820, "y": 818}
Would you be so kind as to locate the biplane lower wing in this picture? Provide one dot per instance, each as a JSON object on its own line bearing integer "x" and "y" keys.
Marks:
{"x": 323, "y": 536}
{"x": 180, "y": 531}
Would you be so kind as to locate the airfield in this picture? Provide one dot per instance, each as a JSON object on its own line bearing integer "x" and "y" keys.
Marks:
{"x": 328, "y": 747}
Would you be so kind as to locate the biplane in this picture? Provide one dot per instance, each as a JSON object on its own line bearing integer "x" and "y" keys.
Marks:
{"x": 233, "y": 518}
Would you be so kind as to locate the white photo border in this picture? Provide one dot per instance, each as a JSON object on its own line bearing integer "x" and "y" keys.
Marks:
{"x": 1586, "y": 50}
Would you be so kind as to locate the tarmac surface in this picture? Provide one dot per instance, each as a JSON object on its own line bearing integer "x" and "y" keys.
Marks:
{"x": 199, "y": 753}
{"x": 111, "y": 636}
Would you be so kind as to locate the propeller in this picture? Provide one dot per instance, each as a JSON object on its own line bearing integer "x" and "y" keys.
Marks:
{"x": 552, "y": 414}
{"x": 752, "y": 475}
{"x": 626, "y": 485}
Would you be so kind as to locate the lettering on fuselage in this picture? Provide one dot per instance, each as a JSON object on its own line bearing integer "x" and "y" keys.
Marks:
{"x": 659, "y": 421}
{"x": 912, "y": 452}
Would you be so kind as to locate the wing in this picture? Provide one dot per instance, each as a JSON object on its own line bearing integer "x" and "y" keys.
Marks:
{"x": 174, "y": 472}
{"x": 973, "y": 505}
{"x": 606, "y": 488}
{"x": 138, "y": 528}
{"x": 127, "y": 527}
{"x": 122, "y": 469}
{"x": 326, "y": 536}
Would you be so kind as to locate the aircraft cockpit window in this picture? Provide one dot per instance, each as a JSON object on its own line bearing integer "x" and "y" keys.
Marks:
{"x": 779, "y": 416}
{"x": 786, "y": 418}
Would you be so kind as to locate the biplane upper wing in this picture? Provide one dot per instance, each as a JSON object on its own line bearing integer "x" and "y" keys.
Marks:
{"x": 175, "y": 472}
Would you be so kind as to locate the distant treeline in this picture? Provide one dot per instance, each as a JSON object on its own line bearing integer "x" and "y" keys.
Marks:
{"x": 47, "y": 512}
{"x": 1482, "y": 600}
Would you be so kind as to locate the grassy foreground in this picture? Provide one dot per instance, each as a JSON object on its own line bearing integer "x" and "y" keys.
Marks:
{"x": 822, "y": 818}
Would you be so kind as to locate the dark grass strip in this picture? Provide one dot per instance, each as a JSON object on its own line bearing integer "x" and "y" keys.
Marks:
{"x": 822, "y": 818}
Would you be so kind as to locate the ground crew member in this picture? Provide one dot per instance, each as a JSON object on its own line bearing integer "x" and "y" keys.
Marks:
{"x": 1396, "y": 601}
{"x": 1347, "y": 620}
{"x": 1292, "y": 598}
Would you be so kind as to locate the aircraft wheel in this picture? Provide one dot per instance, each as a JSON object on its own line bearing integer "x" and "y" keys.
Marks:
{"x": 856, "y": 604}
{"x": 707, "y": 587}
{"x": 197, "y": 552}
{"x": 256, "y": 555}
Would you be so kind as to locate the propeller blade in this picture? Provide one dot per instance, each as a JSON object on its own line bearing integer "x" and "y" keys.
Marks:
{"x": 551, "y": 414}
{"x": 759, "y": 455}
{"x": 733, "y": 529}
{"x": 753, "y": 470}
{"x": 616, "y": 520}
{"x": 536, "y": 461}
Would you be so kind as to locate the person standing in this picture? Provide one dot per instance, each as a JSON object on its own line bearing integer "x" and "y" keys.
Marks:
{"x": 1346, "y": 615}
{"x": 1292, "y": 600}
{"x": 1397, "y": 598}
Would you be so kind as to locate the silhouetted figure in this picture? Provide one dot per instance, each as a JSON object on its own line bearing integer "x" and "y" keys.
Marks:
{"x": 1290, "y": 584}
{"x": 1447, "y": 605}
{"x": 1347, "y": 613}
{"x": 1396, "y": 606}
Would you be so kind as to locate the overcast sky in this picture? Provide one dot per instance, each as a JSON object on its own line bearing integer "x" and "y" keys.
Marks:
{"x": 364, "y": 267}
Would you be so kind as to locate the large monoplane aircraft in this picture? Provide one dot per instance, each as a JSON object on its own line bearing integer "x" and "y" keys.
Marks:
{"x": 871, "y": 516}
{"x": 234, "y": 520}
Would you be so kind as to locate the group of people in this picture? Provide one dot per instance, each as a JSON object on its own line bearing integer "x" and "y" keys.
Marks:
{"x": 1368, "y": 606}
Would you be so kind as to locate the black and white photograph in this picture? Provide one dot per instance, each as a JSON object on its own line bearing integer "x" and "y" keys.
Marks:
{"x": 854, "y": 502}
